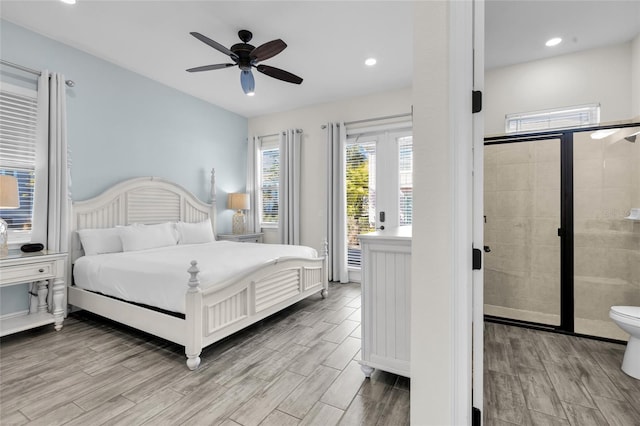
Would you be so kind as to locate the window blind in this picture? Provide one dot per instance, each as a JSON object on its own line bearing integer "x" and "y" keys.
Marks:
{"x": 18, "y": 124}
{"x": 405, "y": 156}
{"x": 361, "y": 195}
{"x": 269, "y": 185}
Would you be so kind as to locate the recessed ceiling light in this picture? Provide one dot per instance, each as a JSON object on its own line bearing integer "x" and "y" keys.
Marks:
{"x": 68, "y": 1}
{"x": 553, "y": 42}
{"x": 370, "y": 62}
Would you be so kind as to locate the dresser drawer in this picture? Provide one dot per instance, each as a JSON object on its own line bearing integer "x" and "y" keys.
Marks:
{"x": 29, "y": 272}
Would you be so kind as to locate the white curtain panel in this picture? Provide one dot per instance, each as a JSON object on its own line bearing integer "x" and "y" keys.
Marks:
{"x": 52, "y": 212}
{"x": 337, "y": 203}
{"x": 289, "y": 194}
{"x": 253, "y": 216}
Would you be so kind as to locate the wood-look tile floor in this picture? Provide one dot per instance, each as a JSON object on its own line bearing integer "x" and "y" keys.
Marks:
{"x": 541, "y": 378}
{"x": 296, "y": 367}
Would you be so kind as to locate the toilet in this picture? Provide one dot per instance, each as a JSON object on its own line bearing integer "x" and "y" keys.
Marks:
{"x": 628, "y": 319}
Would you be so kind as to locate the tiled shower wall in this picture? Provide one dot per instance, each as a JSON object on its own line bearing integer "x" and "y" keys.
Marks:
{"x": 522, "y": 209}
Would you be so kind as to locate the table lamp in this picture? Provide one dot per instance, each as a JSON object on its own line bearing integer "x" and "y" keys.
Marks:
{"x": 8, "y": 200}
{"x": 238, "y": 201}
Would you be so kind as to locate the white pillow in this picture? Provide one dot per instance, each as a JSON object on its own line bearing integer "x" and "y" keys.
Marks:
{"x": 100, "y": 241}
{"x": 194, "y": 233}
{"x": 142, "y": 237}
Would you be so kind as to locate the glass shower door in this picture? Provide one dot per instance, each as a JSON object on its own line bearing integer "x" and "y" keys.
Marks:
{"x": 522, "y": 218}
{"x": 606, "y": 230}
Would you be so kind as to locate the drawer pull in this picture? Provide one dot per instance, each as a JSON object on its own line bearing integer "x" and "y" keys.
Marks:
{"x": 41, "y": 270}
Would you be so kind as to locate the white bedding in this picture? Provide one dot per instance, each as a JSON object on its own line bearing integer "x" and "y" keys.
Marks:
{"x": 158, "y": 277}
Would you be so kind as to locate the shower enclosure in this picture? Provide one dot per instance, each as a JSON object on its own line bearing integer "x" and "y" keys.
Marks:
{"x": 562, "y": 246}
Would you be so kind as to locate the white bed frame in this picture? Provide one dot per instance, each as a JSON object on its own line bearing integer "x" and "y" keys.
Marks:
{"x": 211, "y": 314}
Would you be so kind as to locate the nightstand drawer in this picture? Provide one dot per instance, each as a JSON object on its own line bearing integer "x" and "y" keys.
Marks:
{"x": 29, "y": 272}
{"x": 250, "y": 240}
{"x": 255, "y": 237}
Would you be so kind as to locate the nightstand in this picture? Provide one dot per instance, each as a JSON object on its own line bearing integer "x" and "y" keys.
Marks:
{"x": 242, "y": 238}
{"x": 47, "y": 268}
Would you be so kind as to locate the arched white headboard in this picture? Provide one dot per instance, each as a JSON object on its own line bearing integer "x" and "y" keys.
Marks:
{"x": 145, "y": 200}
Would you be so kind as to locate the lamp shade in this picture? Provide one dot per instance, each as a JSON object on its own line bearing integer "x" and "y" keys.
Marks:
{"x": 9, "y": 192}
{"x": 238, "y": 201}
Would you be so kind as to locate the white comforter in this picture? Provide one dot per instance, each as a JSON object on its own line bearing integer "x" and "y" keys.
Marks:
{"x": 158, "y": 277}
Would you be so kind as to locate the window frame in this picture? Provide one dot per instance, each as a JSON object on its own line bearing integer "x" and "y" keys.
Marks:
{"x": 267, "y": 144}
{"x": 592, "y": 111}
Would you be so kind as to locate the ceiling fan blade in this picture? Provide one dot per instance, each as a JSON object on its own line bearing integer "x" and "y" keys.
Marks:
{"x": 210, "y": 67}
{"x": 214, "y": 44}
{"x": 267, "y": 50}
{"x": 279, "y": 74}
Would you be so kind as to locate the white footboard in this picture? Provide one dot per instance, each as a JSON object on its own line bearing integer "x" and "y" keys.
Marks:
{"x": 220, "y": 311}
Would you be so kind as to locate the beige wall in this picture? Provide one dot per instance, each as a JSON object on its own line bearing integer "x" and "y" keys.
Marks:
{"x": 313, "y": 214}
{"x": 599, "y": 75}
{"x": 635, "y": 76}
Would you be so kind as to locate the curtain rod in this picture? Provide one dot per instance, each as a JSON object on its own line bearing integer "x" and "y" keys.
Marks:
{"x": 278, "y": 134}
{"x": 69, "y": 83}
{"x": 387, "y": 117}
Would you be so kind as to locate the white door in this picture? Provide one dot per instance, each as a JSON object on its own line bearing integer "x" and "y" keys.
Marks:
{"x": 379, "y": 179}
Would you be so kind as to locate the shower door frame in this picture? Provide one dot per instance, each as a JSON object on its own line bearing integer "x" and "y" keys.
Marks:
{"x": 566, "y": 230}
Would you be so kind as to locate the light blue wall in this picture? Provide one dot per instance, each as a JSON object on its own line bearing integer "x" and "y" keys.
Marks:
{"x": 122, "y": 125}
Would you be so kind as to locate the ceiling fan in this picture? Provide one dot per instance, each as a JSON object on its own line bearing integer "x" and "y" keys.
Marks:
{"x": 246, "y": 56}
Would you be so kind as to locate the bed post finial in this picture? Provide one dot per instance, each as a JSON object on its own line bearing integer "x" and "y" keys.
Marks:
{"x": 212, "y": 190}
{"x": 194, "y": 282}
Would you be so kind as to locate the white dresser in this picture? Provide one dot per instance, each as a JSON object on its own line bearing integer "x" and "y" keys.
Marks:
{"x": 386, "y": 300}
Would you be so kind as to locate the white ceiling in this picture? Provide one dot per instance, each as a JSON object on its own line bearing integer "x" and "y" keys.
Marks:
{"x": 328, "y": 41}
{"x": 515, "y": 31}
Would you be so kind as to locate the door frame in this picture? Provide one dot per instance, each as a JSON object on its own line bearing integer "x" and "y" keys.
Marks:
{"x": 477, "y": 281}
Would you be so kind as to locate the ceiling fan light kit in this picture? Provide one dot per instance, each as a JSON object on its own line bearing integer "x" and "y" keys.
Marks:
{"x": 247, "y": 82}
{"x": 246, "y": 57}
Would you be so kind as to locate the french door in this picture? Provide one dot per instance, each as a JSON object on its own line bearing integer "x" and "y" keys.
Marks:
{"x": 379, "y": 187}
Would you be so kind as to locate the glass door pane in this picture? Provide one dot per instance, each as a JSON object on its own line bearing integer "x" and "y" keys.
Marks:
{"x": 606, "y": 182}
{"x": 522, "y": 217}
{"x": 361, "y": 195}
